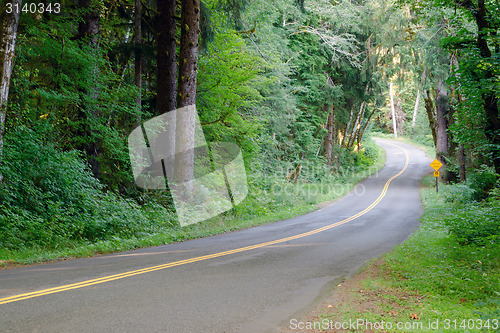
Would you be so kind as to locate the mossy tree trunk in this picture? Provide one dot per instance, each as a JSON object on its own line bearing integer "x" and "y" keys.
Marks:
{"x": 442, "y": 124}
{"x": 8, "y": 30}
{"x": 89, "y": 30}
{"x": 186, "y": 95}
{"x": 330, "y": 127}
{"x": 167, "y": 66}
{"x": 138, "y": 56}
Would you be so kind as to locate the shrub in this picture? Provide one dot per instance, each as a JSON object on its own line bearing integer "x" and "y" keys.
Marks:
{"x": 459, "y": 193}
{"x": 482, "y": 180}
{"x": 49, "y": 198}
{"x": 475, "y": 224}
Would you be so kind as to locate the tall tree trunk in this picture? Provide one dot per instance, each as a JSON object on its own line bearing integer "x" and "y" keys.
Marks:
{"x": 490, "y": 98}
{"x": 90, "y": 26}
{"x": 431, "y": 114}
{"x": 8, "y": 31}
{"x": 393, "y": 113}
{"x": 186, "y": 96}
{"x": 188, "y": 60}
{"x": 347, "y": 128}
{"x": 492, "y": 130}
{"x": 167, "y": 54}
{"x": 330, "y": 127}
{"x": 361, "y": 133}
{"x": 460, "y": 98}
{"x": 89, "y": 30}
{"x": 166, "y": 79}
{"x": 357, "y": 125}
{"x": 415, "y": 111}
{"x": 138, "y": 56}
{"x": 441, "y": 124}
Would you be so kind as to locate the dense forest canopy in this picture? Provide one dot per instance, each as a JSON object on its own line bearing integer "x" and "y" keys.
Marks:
{"x": 297, "y": 84}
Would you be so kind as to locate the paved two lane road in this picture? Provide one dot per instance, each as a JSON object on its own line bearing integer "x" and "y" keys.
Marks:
{"x": 253, "y": 280}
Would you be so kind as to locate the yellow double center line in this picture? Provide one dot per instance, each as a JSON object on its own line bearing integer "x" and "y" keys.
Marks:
{"x": 109, "y": 278}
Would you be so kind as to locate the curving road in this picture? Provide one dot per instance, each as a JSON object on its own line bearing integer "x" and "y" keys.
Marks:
{"x": 253, "y": 280}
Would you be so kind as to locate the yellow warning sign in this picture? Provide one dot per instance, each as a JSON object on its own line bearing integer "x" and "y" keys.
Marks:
{"x": 436, "y": 173}
{"x": 436, "y": 165}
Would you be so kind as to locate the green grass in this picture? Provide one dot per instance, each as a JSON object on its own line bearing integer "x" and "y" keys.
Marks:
{"x": 459, "y": 281}
{"x": 283, "y": 201}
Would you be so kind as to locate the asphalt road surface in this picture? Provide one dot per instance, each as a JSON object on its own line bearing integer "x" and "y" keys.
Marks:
{"x": 253, "y": 280}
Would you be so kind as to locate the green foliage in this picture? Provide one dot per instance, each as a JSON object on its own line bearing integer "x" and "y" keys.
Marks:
{"x": 466, "y": 33}
{"x": 57, "y": 78}
{"x": 482, "y": 180}
{"x": 475, "y": 224}
{"x": 460, "y": 193}
{"x": 50, "y": 199}
{"x": 489, "y": 310}
{"x": 230, "y": 86}
{"x": 458, "y": 245}
{"x": 470, "y": 221}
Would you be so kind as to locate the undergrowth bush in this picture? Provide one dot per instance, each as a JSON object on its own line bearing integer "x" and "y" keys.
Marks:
{"x": 475, "y": 224}
{"x": 482, "y": 180}
{"x": 49, "y": 198}
{"x": 460, "y": 194}
{"x": 471, "y": 219}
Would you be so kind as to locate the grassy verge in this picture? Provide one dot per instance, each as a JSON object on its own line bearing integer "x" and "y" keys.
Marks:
{"x": 444, "y": 278}
{"x": 278, "y": 201}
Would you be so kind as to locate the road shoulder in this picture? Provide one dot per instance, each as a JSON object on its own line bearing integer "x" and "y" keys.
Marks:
{"x": 363, "y": 297}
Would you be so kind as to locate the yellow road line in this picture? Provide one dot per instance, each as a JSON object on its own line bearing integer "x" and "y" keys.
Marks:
{"x": 109, "y": 278}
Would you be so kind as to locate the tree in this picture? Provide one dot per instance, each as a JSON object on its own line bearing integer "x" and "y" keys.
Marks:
{"x": 469, "y": 32}
{"x": 166, "y": 57}
{"x": 330, "y": 127}
{"x": 442, "y": 124}
{"x": 487, "y": 26}
{"x": 88, "y": 32}
{"x": 188, "y": 59}
{"x": 90, "y": 25}
{"x": 138, "y": 54}
{"x": 9, "y": 20}
{"x": 186, "y": 93}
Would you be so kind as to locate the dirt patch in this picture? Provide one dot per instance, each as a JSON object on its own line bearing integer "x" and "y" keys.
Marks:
{"x": 8, "y": 264}
{"x": 361, "y": 297}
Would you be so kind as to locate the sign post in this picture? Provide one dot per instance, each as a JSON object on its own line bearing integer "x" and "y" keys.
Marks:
{"x": 436, "y": 165}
